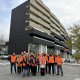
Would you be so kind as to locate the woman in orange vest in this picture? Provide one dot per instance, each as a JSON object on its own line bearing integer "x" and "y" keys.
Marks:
{"x": 13, "y": 62}
{"x": 51, "y": 63}
{"x": 55, "y": 63}
{"x": 42, "y": 65}
{"x": 38, "y": 64}
{"x": 26, "y": 66}
{"x": 33, "y": 65}
{"x": 19, "y": 63}
{"x": 46, "y": 57}
{"x": 59, "y": 65}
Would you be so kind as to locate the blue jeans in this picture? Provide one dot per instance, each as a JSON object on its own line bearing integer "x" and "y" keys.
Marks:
{"x": 25, "y": 71}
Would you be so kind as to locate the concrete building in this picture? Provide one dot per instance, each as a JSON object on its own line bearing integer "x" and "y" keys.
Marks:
{"x": 35, "y": 28}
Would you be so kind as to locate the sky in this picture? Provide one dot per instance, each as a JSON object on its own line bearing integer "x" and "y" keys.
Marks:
{"x": 67, "y": 11}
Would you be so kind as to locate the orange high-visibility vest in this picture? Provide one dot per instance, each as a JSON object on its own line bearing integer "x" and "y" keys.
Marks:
{"x": 38, "y": 57}
{"x": 42, "y": 61}
{"x": 19, "y": 60}
{"x": 24, "y": 64}
{"x": 13, "y": 59}
{"x": 46, "y": 58}
{"x": 23, "y": 59}
{"x": 51, "y": 59}
{"x": 59, "y": 61}
{"x": 56, "y": 59}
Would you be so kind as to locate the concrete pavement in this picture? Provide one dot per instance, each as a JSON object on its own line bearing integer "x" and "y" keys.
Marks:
{"x": 73, "y": 64}
{"x": 70, "y": 73}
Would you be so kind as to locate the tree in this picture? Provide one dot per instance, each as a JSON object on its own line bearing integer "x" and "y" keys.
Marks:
{"x": 77, "y": 57}
{"x": 68, "y": 42}
{"x": 75, "y": 36}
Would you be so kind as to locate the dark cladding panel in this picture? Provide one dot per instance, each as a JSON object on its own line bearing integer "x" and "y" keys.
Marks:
{"x": 17, "y": 40}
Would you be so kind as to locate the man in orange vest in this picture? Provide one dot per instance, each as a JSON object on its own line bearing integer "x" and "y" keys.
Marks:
{"x": 13, "y": 62}
{"x": 51, "y": 63}
{"x": 59, "y": 65}
{"x": 42, "y": 65}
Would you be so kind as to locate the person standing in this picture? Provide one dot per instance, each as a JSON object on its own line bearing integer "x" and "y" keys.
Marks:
{"x": 51, "y": 63}
{"x": 46, "y": 58}
{"x": 59, "y": 65}
{"x": 19, "y": 64}
{"x": 33, "y": 65}
{"x": 55, "y": 63}
{"x": 25, "y": 66}
{"x": 42, "y": 65}
{"x": 38, "y": 64}
{"x": 13, "y": 59}
{"x": 23, "y": 57}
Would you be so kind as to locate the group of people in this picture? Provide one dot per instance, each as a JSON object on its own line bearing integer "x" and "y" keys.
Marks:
{"x": 28, "y": 64}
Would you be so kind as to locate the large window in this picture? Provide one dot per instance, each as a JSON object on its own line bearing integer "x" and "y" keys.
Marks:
{"x": 33, "y": 48}
{"x": 50, "y": 50}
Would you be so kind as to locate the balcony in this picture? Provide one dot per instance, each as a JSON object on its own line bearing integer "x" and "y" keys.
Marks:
{"x": 39, "y": 21}
{"x": 37, "y": 33}
{"x": 58, "y": 36}
{"x": 38, "y": 13}
{"x": 40, "y": 8}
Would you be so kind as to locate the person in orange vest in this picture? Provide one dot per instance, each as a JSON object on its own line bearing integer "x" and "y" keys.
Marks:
{"x": 42, "y": 65}
{"x": 25, "y": 66}
{"x": 19, "y": 63}
{"x": 23, "y": 56}
{"x": 33, "y": 65}
{"x": 46, "y": 57}
{"x": 51, "y": 63}
{"x": 59, "y": 65}
{"x": 55, "y": 63}
{"x": 38, "y": 64}
{"x": 13, "y": 62}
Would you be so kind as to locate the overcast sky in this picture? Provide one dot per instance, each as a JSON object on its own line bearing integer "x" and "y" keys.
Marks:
{"x": 67, "y": 11}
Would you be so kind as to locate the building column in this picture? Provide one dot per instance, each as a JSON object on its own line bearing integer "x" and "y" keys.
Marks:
{"x": 42, "y": 48}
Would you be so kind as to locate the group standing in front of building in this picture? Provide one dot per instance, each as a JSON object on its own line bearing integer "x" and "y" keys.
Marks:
{"x": 30, "y": 64}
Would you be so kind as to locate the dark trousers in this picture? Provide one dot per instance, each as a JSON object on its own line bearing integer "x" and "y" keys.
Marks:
{"x": 22, "y": 69}
{"x": 18, "y": 69}
{"x": 51, "y": 65}
{"x": 59, "y": 70}
{"x": 42, "y": 71}
{"x": 46, "y": 68}
{"x": 33, "y": 70}
{"x": 13, "y": 65}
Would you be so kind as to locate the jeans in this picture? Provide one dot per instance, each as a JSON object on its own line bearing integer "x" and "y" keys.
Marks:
{"x": 38, "y": 68}
{"x": 55, "y": 68}
{"x": 13, "y": 64}
{"x": 59, "y": 69}
{"x": 25, "y": 71}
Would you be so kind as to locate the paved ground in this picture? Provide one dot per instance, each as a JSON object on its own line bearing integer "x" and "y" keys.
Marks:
{"x": 71, "y": 72}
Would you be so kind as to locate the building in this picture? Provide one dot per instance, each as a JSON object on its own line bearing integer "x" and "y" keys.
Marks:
{"x": 35, "y": 28}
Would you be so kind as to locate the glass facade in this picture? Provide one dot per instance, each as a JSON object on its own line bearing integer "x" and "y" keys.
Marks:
{"x": 33, "y": 48}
